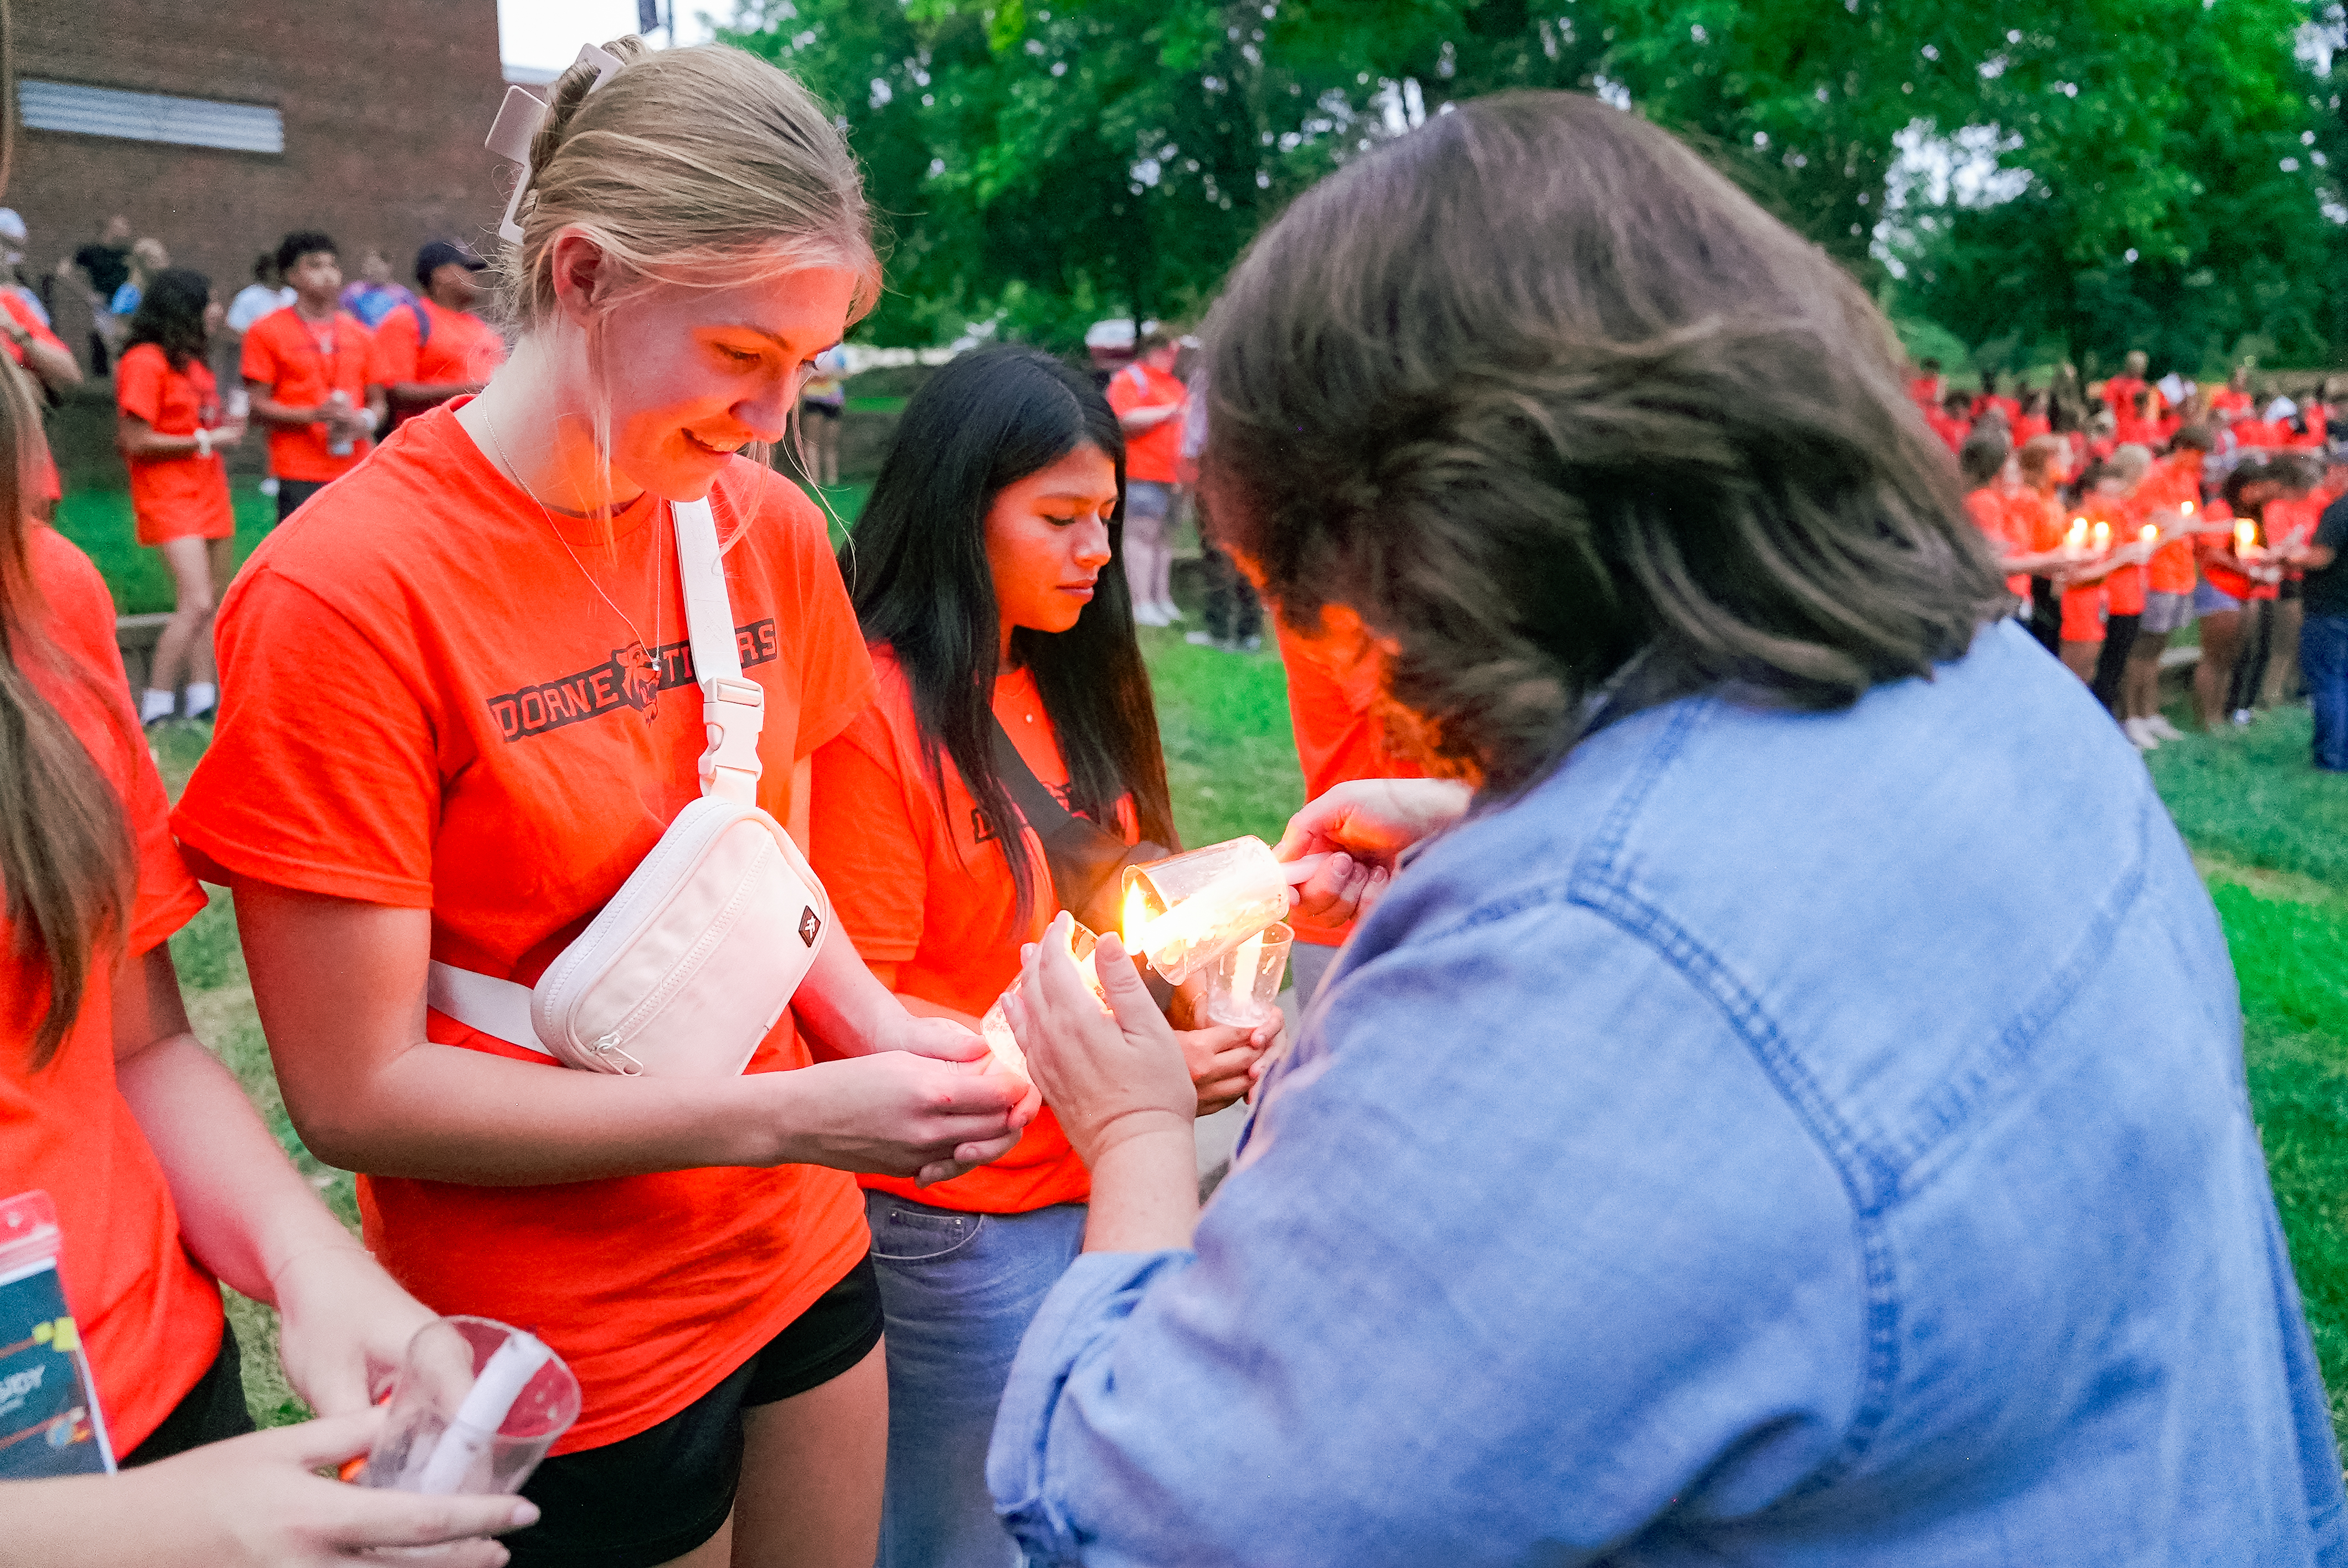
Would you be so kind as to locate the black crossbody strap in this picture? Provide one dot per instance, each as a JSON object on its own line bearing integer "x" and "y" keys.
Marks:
{"x": 1031, "y": 795}
{"x": 1088, "y": 860}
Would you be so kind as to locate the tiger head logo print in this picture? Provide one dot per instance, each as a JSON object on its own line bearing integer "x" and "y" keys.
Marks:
{"x": 639, "y": 681}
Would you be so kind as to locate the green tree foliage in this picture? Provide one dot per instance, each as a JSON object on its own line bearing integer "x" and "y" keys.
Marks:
{"x": 1045, "y": 162}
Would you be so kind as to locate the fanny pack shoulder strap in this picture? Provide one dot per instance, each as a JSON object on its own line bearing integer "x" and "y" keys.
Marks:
{"x": 733, "y": 711}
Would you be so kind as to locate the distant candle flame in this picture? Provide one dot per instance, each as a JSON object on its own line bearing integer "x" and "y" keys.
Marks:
{"x": 2246, "y": 534}
{"x": 2103, "y": 537}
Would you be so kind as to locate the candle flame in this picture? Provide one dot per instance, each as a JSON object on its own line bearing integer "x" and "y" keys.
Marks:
{"x": 2151, "y": 531}
{"x": 2246, "y": 534}
{"x": 2103, "y": 536}
{"x": 2189, "y": 509}
{"x": 1137, "y": 916}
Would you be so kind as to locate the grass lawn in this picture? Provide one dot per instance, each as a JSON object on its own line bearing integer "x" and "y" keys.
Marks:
{"x": 2271, "y": 836}
{"x": 99, "y": 521}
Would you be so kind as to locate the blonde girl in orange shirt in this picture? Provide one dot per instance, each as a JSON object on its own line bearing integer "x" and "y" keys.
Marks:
{"x": 493, "y": 599}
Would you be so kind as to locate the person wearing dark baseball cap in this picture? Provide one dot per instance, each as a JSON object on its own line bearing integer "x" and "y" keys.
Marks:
{"x": 433, "y": 348}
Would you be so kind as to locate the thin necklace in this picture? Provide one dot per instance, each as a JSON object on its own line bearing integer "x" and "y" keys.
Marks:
{"x": 652, "y": 648}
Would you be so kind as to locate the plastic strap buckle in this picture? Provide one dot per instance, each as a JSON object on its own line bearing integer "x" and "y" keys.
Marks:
{"x": 733, "y": 711}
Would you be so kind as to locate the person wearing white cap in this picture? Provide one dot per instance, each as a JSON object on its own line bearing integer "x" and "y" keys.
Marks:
{"x": 13, "y": 237}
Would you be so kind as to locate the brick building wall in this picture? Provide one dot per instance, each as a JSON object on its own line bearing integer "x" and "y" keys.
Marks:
{"x": 384, "y": 105}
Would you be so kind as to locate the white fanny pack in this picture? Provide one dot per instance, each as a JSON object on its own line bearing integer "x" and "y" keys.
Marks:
{"x": 683, "y": 973}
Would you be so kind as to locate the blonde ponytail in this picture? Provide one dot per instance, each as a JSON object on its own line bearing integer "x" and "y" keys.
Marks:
{"x": 702, "y": 167}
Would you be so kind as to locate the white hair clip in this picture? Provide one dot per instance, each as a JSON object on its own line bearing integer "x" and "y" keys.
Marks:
{"x": 517, "y": 124}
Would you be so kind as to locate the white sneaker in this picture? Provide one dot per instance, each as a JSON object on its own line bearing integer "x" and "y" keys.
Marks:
{"x": 2139, "y": 733}
{"x": 1168, "y": 612}
{"x": 2162, "y": 729}
{"x": 1147, "y": 615}
{"x": 1201, "y": 638}
{"x": 2241, "y": 718}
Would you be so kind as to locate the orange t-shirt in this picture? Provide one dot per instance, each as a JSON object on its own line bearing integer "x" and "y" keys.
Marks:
{"x": 427, "y": 704}
{"x": 21, "y": 313}
{"x": 1331, "y": 700}
{"x": 2214, "y": 554}
{"x": 2029, "y": 427}
{"x": 173, "y": 497}
{"x": 2173, "y": 483}
{"x": 1155, "y": 453}
{"x": 2227, "y": 398}
{"x": 149, "y": 1315}
{"x": 2289, "y": 519}
{"x": 1992, "y": 516}
{"x": 289, "y": 361}
{"x": 2126, "y": 517}
{"x": 2119, "y": 394}
{"x": 930, "y": 904}
{"x": 461, "y": 349}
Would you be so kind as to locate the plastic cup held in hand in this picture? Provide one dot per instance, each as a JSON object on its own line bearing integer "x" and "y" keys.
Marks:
{"x": 995, "y": 1029}
{"x": 476, "y": 1407}
{"x": 1243, "y": 989}
{"x": 1185, "y": 911}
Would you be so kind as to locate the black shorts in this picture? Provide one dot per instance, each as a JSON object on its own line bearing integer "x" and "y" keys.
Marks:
{"x": 657, "y": 1495}
{"x": 821, "y": 410}
{"x": 2291, "y": 589}
{"x": 213, "y": 1411}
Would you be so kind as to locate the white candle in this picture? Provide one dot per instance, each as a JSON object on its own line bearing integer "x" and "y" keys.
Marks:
{"x": 486, "y": 1407}
{"x": 1245, "y": 963}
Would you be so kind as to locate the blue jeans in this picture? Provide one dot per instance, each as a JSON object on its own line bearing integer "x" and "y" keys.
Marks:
{"x": 2323, "y": 661}
{"x": 958, "y": 1290}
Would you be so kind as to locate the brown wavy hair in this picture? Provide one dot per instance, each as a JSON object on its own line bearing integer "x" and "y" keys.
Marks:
{"x": 1535, "y": 391}
{"x": 65, "y": 859}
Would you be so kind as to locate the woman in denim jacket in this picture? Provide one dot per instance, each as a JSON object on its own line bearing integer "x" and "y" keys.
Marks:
{"x": 1796, "y": 1115}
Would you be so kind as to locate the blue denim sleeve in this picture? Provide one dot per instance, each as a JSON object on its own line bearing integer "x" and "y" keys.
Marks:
{"x": 1530, "y": 1257}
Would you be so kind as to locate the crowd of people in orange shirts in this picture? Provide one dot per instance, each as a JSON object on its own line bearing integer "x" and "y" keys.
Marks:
{"x": 323, "y": 370}
{"x": 2127, "y": 514}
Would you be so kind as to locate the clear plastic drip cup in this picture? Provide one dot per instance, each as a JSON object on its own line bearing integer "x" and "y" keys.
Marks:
{"x": 995, "y": 1029}
{"x": 1243, "y": 988}
{"x": 1187, "y": 910}
{"x": 475, "y": 1408}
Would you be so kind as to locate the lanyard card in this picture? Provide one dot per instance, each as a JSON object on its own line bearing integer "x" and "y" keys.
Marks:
{"x": 49, "y": 1420}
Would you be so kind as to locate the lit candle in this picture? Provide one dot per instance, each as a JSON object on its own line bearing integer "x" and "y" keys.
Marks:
{"x": 2103, "y": 538}
{"x": 2189, "y": 509}
{"x": 2246, "y": 534}
{"x": 2149, "y": 533}
{"x": 2076, "y": 541}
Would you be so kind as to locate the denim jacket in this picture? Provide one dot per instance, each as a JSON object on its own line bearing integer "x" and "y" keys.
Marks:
{"x": 1777, "y": 1138}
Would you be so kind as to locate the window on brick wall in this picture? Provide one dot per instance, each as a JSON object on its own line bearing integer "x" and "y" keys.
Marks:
{"x": 150, "y": 117}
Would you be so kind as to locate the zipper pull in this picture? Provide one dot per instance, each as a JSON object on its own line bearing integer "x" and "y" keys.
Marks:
{"x": 607, "y": 1050}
